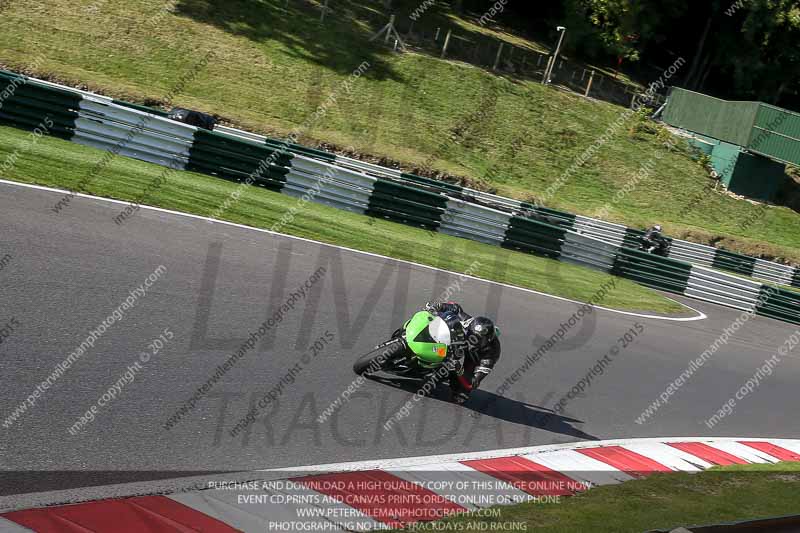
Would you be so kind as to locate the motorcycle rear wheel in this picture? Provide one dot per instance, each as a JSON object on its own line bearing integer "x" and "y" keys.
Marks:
{"x": 380, "y": 358}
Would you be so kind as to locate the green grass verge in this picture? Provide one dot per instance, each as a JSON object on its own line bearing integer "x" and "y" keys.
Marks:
{"x": 274, "y": 65}
{"x": 58, "y": 163}
{"x": 663, "y": 501}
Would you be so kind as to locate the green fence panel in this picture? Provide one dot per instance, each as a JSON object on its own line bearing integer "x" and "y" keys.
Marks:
{"x": 734, "y": 262}
{"x": 534, "y": 237}
{"x": 759, "y": 127}
{"x": 783, "y": 305}
{"x": 776, "y": 133}
{"x": 720, "y": 119}
{"x": 796, "y": 279}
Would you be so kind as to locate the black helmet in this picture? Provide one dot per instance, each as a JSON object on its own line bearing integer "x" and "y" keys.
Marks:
{"x": 480, "y": 332}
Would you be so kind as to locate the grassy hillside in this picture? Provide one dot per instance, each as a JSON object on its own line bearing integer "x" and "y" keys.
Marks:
{"x": 273, "y": 66}
{"x": 65, "y": 165}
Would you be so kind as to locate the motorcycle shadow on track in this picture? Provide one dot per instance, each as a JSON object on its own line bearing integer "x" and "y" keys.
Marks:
{"x": 484, "y": 402}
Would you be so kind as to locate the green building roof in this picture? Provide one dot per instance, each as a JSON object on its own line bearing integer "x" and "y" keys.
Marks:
{"x": 758, "y": 127}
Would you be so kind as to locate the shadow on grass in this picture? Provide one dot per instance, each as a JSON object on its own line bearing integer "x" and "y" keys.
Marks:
{"x": 339, "y": 44}
{"x": 487, "y": 403}
{"x": 342, "y": 42}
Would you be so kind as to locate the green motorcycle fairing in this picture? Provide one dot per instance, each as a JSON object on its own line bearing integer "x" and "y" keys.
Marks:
{"x": 428, "y": 337}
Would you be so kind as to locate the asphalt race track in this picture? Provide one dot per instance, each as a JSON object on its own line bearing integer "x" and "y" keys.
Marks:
{"x": 70, "y": 270}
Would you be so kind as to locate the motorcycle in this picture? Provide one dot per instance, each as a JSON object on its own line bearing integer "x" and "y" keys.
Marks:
{"x": 659, "y": 246}
{"x": 418, "y": 350}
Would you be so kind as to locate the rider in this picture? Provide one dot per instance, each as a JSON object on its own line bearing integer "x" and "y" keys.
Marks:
{"x": 482, "y": 351}
{"x": 653, "y": 238}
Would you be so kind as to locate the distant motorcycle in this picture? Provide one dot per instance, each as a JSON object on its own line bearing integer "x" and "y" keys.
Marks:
{"x": 657, "y": 246}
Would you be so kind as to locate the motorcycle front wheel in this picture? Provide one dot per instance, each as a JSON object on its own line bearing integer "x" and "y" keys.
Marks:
{"x": 380, "y": 358}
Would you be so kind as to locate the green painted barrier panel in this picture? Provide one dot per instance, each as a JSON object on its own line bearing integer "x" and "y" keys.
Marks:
{"x": 237, "y": 160}
{"x": 379, "y": 209}
{"x": 301, "y": 150}
{"x": 734, "y": 262}
{"x": 240, "y": 163}
{"x": 534, "y": 237}
{"x": 553, "y": 216}
{"x": 785, "y": 297}
{"x": 392, "y": 203}
{"x": 653, "y": 271}
{"x": 406, "y": 204}
{"x": 215, "y": 142}
{"x": 779, "y": 304}
{"x": 274, "y": 178}
{"x": 28, "y": 106}
{"x": 411, "y": 193}
{"x": 138, "y": 107}
{"x": 441, "y": 185}
{"x": 796, "y": 279}
{"x": 632, "y": 238}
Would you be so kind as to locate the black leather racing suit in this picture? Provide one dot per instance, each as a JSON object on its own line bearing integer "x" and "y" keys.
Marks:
{"x": 478, "y": 361}
{"x": 653, "y": 237}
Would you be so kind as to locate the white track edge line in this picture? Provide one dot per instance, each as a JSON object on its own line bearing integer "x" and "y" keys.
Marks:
{"x": 700, "y": 315}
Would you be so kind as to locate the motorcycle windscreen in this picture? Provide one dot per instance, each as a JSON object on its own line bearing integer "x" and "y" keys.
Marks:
{"x": 428, "y": 337}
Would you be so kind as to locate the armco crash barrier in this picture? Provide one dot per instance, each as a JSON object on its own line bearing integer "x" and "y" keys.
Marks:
{"x": 780, "y": 304}
{"x": 609, "y": 232}
{"x": 652, "y": 270}
{"x": 291, "y": 169}
{"x": 236, "y": 159}
{"x": 606, "y": 231}
{"x": 27, "y": 105}
{"x": 409, "y": 205}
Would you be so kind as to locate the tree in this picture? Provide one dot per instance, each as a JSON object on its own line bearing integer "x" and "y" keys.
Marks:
{"x": 770, "y": 46}
{"x": 626, "y": 28}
